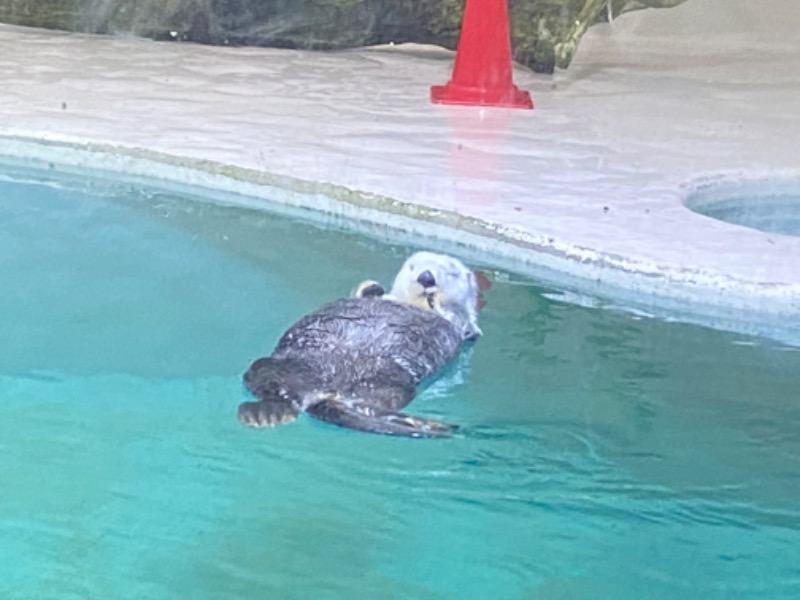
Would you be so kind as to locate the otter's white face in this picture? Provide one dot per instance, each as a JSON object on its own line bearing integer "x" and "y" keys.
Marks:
{"x": 441, "y": 283}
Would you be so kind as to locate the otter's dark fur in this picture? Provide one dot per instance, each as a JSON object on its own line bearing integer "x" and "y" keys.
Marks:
{"x": 356, "y": 363}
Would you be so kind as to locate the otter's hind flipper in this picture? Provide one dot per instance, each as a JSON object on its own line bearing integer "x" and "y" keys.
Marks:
{"x": 266, "y": 413}
{"x": 363, "y": 417}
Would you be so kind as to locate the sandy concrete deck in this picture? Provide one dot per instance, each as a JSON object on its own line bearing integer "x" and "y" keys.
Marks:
{"x": 589, "y": 185}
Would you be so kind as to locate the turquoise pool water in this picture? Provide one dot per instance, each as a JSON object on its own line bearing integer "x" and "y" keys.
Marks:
{"x": 603, "y": 455}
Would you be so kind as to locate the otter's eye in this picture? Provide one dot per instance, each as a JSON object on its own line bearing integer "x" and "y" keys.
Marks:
{"x": 426, "y": 279}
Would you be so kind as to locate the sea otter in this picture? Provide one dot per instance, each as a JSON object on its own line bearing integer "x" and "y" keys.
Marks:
{"x": 356, "y": 362}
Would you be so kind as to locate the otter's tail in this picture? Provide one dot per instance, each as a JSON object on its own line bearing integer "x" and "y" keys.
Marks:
{"x": 363, "y": 417}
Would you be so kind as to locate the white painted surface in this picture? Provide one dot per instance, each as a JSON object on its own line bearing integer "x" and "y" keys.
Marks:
{"x": 593, "y": 178}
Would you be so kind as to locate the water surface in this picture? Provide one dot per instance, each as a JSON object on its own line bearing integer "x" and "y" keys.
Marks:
{"x": 602, "y": 454}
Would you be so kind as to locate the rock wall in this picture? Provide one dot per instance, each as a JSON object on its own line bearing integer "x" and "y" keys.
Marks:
{"x": 544, "y": 33}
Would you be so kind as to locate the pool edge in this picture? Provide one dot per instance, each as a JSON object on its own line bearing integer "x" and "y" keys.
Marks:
{"x": 688, "y": 294}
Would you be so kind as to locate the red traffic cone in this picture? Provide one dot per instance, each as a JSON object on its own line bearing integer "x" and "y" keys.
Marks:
{"x": 482, "y": 72}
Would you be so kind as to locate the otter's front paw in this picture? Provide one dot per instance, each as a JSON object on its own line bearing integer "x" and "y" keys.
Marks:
{"x": 266, "y": 414}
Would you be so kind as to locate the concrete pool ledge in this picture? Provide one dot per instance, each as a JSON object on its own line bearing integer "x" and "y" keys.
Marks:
{"x": 688, "y": 295}
{"x": 587, "y": 191}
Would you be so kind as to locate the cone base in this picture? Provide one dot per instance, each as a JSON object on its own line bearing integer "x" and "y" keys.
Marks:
{"x": 509, "y": 97}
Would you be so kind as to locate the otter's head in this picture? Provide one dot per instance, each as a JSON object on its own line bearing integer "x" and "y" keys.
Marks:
{"x": 443, "y": 284}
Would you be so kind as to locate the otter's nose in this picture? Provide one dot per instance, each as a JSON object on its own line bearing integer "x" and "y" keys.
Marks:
{"x": 426, "y": 279}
